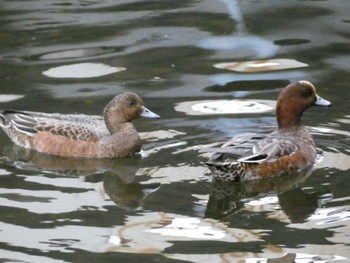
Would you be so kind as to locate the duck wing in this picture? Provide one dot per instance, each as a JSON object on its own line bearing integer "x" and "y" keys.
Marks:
{"x": 269, "y": 150}
{"x": 75, "y": 127}
{"x": 254, "y": 148}
{"x": 238, "y": 146}
{"x": 81, "y": 118}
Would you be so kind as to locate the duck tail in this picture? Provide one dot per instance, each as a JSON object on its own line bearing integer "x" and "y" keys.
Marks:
{"x": 226, "y": 171}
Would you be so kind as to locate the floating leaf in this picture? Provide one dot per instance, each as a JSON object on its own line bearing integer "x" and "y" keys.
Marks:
{"x": 261, "y": 65}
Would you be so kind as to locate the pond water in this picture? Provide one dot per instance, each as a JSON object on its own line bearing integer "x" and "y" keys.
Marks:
{"x": 179, "y": 56}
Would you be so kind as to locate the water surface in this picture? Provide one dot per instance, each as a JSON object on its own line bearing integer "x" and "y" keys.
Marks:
{"x": 162, "y": 206}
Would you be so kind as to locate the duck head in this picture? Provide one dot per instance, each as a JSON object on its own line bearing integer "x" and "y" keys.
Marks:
{"x": 293, "y": 100}
{"x": 123, "y": 108}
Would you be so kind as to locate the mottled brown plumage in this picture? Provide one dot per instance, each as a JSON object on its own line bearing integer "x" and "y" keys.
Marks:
{"x": 76, "y": 135}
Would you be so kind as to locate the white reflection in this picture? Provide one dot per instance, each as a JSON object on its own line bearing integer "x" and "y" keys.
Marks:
{"x": 4, "y": 172}
{"x": 167, "y": 175}
{"x": 232, "y": 106}
{"x": 190, "y": 228}
{"x": 335, "y": 160}
{"x": 261, "y": 65}
{"x": 160, "y": 134}
{"x": 82, "y": 70}
{"x": 146, "y": 153}
{"x": 261, "y": 47}
{"x": 236, "y": 106}
{"x": 59, "y": 238}
{"x": 329, "y": 216}
{"x": 325, "y": 130}
{"x": 298, "y": 258}
{"x": 10, "y": 97}
{"x": 153, "y": 232}
{"x": 258, "y": 204}
{"x": 326, "y": 218}
{"x": 115, "y": 240}
{"x": 14, "y": 256}
{"x": 54, "y": 201}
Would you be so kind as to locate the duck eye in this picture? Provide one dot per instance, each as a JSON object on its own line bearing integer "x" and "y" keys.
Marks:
{"x": 305, "y": 92}
{"x": 131, "y": 103}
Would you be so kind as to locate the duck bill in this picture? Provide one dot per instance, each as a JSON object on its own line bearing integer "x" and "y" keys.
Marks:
{"x": 322, "y": 102}
{"x": 148, "y": 114}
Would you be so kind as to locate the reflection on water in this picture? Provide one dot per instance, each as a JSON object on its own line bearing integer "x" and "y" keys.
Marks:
{"x": 225, "y": 107}
{"x": 227, "y": 198}
{"x": 76, "y": 53}
{"x": 160, "y": 205}
{"x": 36, "y": 161}
{"x": 127, "y": 195}
{"x": 82, "y": 70}
{"x": 261, "y": 65}
{"x": 118, "y": 175}
{"x": 243, "y": 41}
{"x": 160, "y": 230}
{"x": 9, "y": 97}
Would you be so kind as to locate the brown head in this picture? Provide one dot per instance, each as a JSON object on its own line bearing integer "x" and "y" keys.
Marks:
{"x": 123, "y": 108}
{"x": 293, "y": 100}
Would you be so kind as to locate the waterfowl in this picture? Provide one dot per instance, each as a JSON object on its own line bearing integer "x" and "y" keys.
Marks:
{"x": 289, "y": 148}
{"x": 77, "y": 135}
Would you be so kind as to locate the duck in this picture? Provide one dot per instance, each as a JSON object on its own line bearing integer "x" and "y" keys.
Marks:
{"x": 289, "y": 148}
{"x": 112, "y": 135}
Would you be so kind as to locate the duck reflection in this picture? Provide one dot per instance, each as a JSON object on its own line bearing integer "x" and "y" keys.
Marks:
{"x": 127, "y": 195}
{"x": 227, "y": 198}
{"x": 118, "y": 175}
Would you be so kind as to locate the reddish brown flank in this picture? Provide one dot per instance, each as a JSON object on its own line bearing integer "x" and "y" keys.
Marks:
{"x": 289, "y": 148}
{"x": 110, "y": 136}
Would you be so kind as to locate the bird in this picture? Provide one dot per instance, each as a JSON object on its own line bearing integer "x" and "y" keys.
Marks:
{"x": 78, "y": 135}
{"x": 250, "y": 156}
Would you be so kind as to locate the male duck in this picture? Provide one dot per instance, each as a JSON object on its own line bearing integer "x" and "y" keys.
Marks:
{"x": 73, "y": 135}
{"x": 289, "y": 148}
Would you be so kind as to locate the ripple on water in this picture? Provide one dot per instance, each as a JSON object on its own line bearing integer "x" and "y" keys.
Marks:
{"x": 291, "y": 41}
{"x": 159, "y": 230}
{"x": 76, "y": 53}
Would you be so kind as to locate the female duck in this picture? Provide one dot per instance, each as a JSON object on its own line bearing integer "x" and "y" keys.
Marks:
{"x": 289, "y": 148}
{"x": 110, "y": 136}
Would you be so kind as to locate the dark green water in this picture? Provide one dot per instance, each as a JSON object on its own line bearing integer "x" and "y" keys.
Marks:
{"x": 163, "y": 207}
